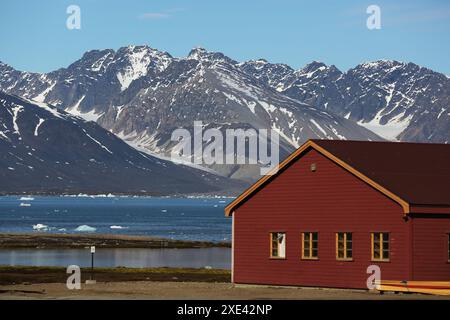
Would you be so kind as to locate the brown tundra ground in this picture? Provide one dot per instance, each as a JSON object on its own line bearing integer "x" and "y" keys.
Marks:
{"x": 162, "y": 283}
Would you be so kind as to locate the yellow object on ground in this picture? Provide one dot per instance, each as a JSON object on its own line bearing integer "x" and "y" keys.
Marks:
{"x": 428, "y": 287}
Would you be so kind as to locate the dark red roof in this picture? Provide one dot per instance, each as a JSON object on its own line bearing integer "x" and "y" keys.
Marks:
{"x": 419, "y": 173}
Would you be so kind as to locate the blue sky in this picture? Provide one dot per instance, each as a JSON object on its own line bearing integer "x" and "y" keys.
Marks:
{"x": 34, "y": 36}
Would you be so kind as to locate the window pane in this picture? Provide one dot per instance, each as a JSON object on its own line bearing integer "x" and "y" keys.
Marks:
{"x": 274, "y": 244}
{"x": 376, "y": 246}
{"x": 281, "y": 245}
{"x": 385, "y": 254}
{"x": 385, "y": 245}
{"x": 306, "y": 252}
{"x": 307, "y": 235}
{"x": 274, "y": 250}
{"x": 376, "y": 254}
{"x": 340, "y": 245}
{"x": 315, "y": 244}
{"x": 349, "y": 245}
{"x": 376, "y": 237}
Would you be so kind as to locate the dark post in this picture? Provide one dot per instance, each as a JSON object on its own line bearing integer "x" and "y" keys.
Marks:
{"x": 92, "y": 262}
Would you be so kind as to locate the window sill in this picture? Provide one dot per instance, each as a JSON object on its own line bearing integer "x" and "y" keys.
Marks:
{"x": 277, "y": 258}
{"x": 344, "y": 260}
{"x": 310, "y": 259}
{"x": 384, "y": 260}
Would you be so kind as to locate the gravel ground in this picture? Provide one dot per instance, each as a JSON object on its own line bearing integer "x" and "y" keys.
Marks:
{"x": 189, "y": 290}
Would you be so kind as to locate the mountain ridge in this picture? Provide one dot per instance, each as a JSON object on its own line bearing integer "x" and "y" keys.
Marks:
{"x": 142, "y": 95}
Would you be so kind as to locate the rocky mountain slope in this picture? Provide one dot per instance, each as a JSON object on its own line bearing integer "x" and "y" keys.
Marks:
{"x": 46, "y": 150}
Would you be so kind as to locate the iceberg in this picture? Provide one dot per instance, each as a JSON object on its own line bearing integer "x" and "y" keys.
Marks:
{"x": 26, "y": 199}
{"x": 40, "y": 227}
{"x": 85, "y": 228}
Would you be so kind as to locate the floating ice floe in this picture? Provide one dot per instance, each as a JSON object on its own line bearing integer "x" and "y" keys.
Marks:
{"x": 26, "y": 199}
{"x": 85, "y": 228}
{"x": 40, "y": 227}
{"x": 22, "y": 204}
{"x": 118, "y": 227}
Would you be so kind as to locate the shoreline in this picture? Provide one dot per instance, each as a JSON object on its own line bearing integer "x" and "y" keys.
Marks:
{"x": 79, "y": 241}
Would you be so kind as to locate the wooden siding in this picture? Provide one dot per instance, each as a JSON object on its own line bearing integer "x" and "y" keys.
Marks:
{"x": 327, "y": 201}
{"x": 430, "y": 247}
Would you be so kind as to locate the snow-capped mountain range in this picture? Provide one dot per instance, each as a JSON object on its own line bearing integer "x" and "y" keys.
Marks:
{"x": 141, "y": 95}
{"x": 398, "y": 101}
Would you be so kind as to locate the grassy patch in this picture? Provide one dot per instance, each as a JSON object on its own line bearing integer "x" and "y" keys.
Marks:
{"x": 28, "y": 275}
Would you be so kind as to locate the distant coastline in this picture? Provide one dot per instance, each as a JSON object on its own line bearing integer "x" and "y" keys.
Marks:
{"x": 78, "y": 241}
{"x": 120, "y": 194}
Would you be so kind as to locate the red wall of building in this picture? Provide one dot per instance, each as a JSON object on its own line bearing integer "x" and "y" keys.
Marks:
{"x": 430, "y": 248}
{"x": 329, "y": 200}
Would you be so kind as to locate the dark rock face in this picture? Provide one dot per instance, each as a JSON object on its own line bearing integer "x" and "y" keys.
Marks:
{"x": 46, "y": 150}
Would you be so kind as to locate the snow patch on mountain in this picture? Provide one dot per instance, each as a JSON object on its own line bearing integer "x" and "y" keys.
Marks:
{"x": 390, "y": 130}
{"x": 41, "y": 96}
{"x": 36, "y": 130}
{"x": 88, "y": 116}
{"x": 139, "y": 62}
{"x": 16, "y": 110}
{"x": 54, "y": 111}
{"x": 99, "y": 64}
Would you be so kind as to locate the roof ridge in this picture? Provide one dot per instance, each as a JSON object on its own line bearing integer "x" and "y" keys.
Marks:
{"x": 380, "y": 142}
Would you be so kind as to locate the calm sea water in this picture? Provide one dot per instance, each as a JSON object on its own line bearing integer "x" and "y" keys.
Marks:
{"x": 219, "y": 258}
{"x": 182, "y": 219}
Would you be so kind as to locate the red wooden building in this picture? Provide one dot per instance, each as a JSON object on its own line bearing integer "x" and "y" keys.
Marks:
{"x": 336, "y": 207}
